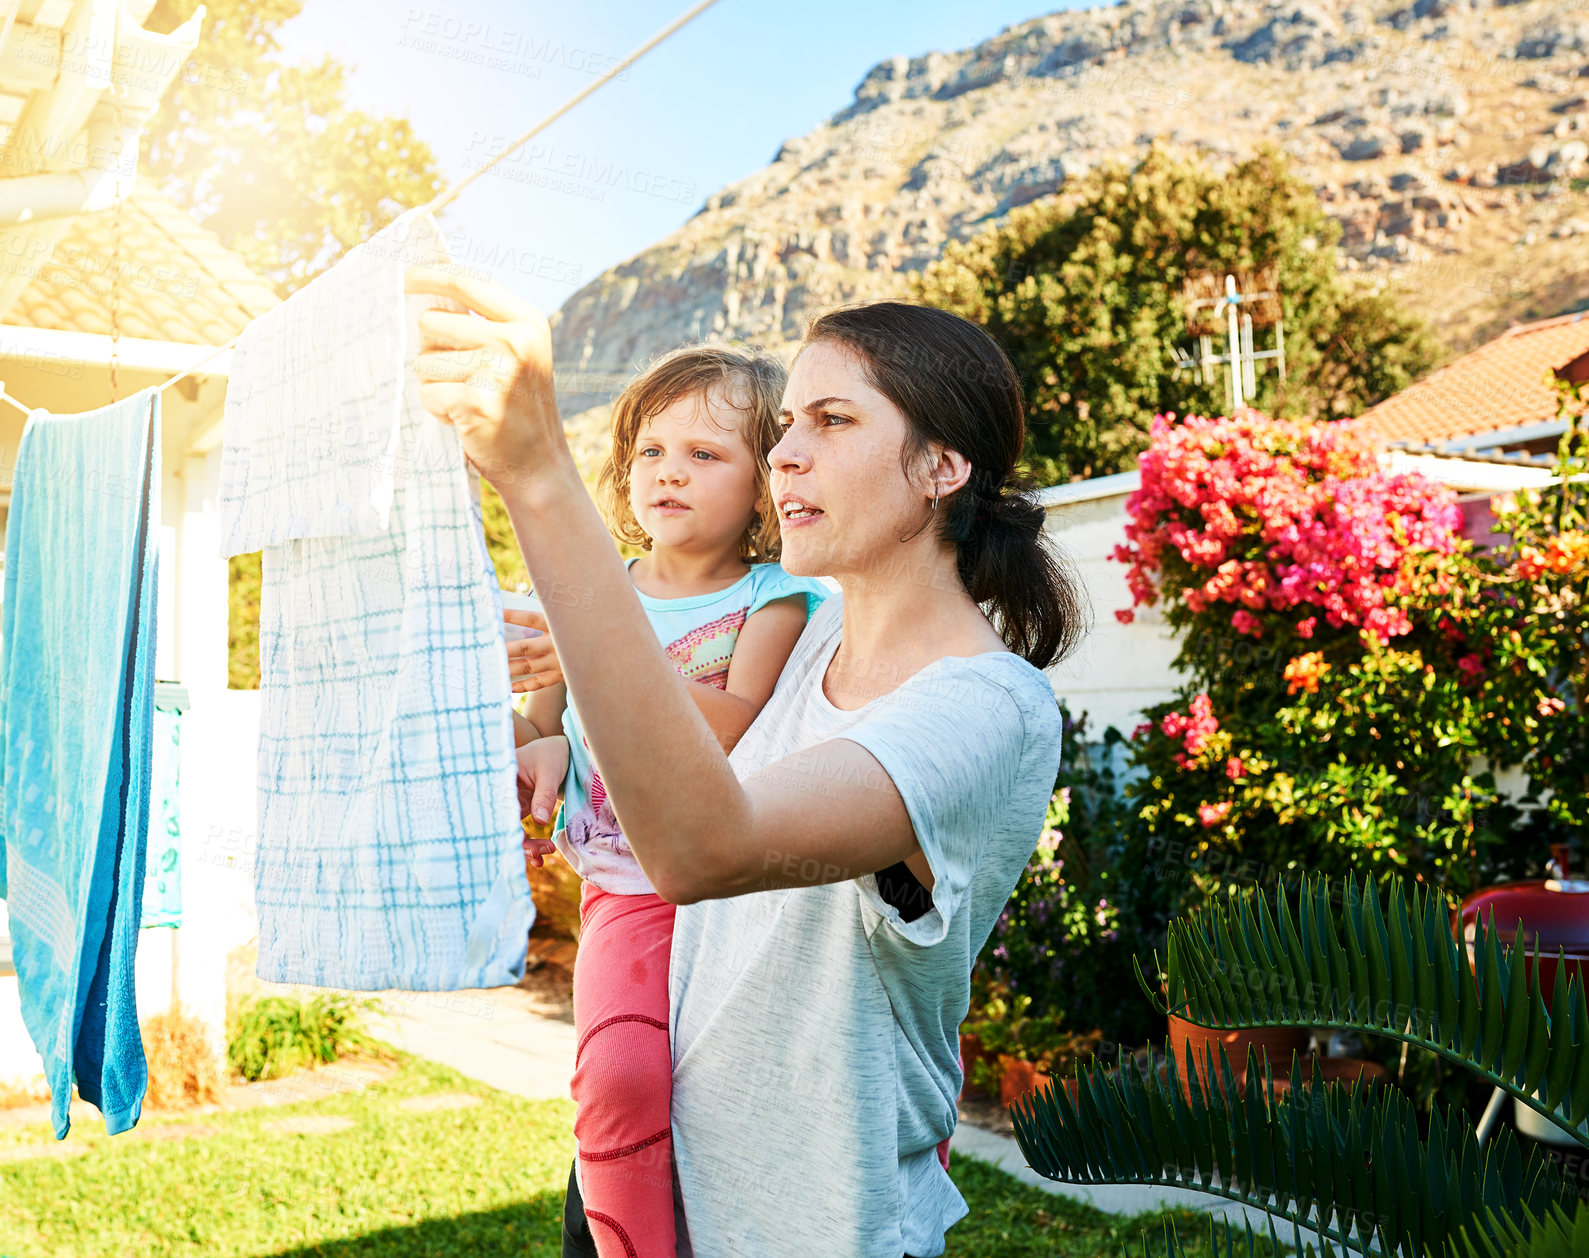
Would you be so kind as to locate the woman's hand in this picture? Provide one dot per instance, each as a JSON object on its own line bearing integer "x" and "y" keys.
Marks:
{"x": 488, "y": 373}
{"x": 532, "y": 662}
{"x": 543, "y": 764}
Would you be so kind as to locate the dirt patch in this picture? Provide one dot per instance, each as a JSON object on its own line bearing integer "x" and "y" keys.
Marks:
{"x": 434, "y": 1101}
{"x": 551, "y": 989}
{"x": 53, "y": 1149}
{"x": 80, "y": 1111}
{"x": 178, "y": 1131}
{"x": 986, "y": 1114}
{"x": 309, "y": 1125}
{"x": 336, "y": 1079}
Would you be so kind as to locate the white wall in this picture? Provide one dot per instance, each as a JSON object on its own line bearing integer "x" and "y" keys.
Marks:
{"x": 1119, "y": 669}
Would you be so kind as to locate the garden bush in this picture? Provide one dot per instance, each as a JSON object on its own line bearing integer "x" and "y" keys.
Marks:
{"x": 1057, "y": 972}
{"x": 183, "y": 1069}
{"x": 274, "y": 1035}
{"x": 1355, "y": 669}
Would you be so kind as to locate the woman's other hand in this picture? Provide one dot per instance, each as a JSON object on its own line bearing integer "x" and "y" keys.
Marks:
{"x": 532, "y": 662}
{"x": 488, "y": 373}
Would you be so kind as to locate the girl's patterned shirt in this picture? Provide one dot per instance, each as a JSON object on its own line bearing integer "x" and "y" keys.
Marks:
{"x": 699, "y": 634}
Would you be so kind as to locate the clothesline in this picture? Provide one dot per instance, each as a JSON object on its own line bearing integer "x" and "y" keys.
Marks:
{"x": 447, "y": 195}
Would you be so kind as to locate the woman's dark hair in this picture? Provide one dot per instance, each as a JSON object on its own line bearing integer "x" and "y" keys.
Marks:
{"x": 954, "y": 385}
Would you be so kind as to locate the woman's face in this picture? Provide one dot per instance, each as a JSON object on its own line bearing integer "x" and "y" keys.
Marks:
{"x": 840, "y": 457}
{"x": 692, "y": 482}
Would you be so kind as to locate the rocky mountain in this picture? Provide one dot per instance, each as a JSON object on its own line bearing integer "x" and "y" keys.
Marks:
{"x": 1450, "y": 138}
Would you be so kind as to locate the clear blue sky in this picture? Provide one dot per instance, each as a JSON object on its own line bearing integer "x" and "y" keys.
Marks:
{"x": 638, "y": 158}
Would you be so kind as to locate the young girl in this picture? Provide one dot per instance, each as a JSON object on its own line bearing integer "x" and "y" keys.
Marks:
{"x": 687, "y": 481}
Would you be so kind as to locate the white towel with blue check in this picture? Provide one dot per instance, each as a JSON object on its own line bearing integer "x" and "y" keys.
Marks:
{"x": 77, "y": 698}
{"x": 390, "y": 848}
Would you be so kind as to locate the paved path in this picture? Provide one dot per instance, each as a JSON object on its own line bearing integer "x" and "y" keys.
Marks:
{"x": 496, "y": 1036}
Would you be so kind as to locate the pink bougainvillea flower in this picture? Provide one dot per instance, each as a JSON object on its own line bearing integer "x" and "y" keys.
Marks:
{"x": 1550, "y": 705}
{"x": 1193, "y": 728}
{"x": 1235, "y": 770}
{"x": 1125, "y": 615}
{"x": 1213, "y": 814}
{"x": 1306, "y": 627}
{"x": 1273, "y": 515}
{"x": 1472, "y": 667}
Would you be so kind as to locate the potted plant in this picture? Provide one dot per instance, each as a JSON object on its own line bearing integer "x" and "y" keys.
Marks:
{"x": 1018, "y": 1051}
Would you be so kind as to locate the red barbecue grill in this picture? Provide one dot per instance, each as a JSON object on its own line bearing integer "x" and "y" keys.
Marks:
{"x": 1554, "y": 912}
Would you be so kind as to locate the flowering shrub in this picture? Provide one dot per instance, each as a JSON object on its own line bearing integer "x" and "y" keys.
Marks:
{"x": 1534, "y": 632}
{"x": 1344, "y": 670}
{"x": 1274, "y": 526}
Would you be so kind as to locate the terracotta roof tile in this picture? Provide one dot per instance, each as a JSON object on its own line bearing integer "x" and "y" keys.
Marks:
{"x": 1500, "y": 385}
{"x": 177, "y": 281}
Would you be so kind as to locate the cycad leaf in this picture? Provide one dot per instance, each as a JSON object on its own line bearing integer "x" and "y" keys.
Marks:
{"x": 1578, "y": 1110}
{"x": 1558, "y": 1067}
{"x": 1492, "y": 1005}
{"x": 1293, "y": 960}
{"x": 1515, "y": 1044}
{"x": 1443, "y": 950}
{"x": 1401, "y": 981}
{"x": 1376, "y": 943}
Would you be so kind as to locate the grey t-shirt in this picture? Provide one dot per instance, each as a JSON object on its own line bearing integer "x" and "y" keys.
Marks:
{"x": 815, "y": 1033}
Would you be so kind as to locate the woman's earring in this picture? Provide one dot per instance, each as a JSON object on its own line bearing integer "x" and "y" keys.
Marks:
{"x": 931, "y": 511}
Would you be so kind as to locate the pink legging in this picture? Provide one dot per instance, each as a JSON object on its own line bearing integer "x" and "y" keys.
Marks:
{"x": 623, "y": 1072}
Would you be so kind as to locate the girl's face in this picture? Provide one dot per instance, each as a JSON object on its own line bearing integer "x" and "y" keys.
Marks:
{"x": 692, "y": 483}
{"x": 842, "y": 498}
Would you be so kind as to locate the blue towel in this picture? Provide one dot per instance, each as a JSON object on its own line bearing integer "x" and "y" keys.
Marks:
{"x": 76, "y": 697}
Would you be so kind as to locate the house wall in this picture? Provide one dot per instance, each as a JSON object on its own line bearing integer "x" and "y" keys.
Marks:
{"x": 1119, "y": 670}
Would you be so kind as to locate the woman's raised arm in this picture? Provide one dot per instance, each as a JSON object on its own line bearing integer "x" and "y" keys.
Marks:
{"x": 828, "y": 815}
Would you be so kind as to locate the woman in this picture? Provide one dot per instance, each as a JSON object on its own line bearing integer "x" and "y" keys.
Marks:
{"x": 840, "y": 871}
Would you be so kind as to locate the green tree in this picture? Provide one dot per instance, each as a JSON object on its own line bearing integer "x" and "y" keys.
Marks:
{"x": 271, "y": 157}
{"x": 1084, "y": 291}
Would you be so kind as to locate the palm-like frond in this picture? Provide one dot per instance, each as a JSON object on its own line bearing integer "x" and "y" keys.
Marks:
{"x": 1344, "y": 961}
{"x": 1225, "y": 1231}
{"x": 1558, "y": 1234}
{"x": 1352, "y": 1160}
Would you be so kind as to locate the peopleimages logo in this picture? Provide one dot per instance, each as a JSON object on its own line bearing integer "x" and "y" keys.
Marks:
{"x": 496, "y": 48}
{"x": 579, "y": 174}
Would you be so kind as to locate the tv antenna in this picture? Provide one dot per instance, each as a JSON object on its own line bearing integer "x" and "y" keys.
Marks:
{"x": 1236, "y": 312}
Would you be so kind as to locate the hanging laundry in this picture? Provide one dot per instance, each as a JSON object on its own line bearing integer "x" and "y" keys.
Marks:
{"x": 76, "y": 696}
{"x": 328, "y": 472}
{"x": 162, "y": 883}
{"x": 390, "y": 846}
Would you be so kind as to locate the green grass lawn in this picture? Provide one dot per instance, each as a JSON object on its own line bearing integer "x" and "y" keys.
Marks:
{"x": 486, "y": 1181}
